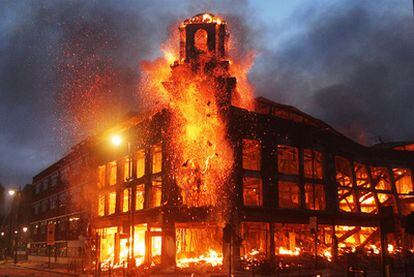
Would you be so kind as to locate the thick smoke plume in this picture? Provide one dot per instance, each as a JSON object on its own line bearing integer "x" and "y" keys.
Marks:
{"x": 352, "y": 66}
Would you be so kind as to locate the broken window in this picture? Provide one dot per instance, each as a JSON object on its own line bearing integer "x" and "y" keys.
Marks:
{"x": 361, "y": 175}
{"x": 112, "y": 173}
{"x": 101, "y": 176}
{"x": 125, "y": 200}
{"x": 353, "y": 238}
{"x": 140, "y": 231}
{"x": 380, "y": 178}
{"x": 199, "y": 244}
{"x": 251, "y": 154}
{"x": 107, "y": 245}
{"x": 287, "y": 159}
{"x": 112, "y": 203}
{"x": 315, "y": 196}
{"x": 255, "y": 241}
{"x": 387, "y": 200}
{"x": 53, "y": 202}
{"x": 403, "y": 180}
{"x": 139, "y": 197}
{"x": 406, "y": 204}
{"x": 367, "y": 202}
{"x": 252, "y": 191}
{"x": 200, "y": 40}
{"x": 127, "y": 170}
{"x": 343, "y": 171}
{"x": 346, "y": 200}
{"x": 101, "y": 205}
{"x": 289, "y": 194}
{"x": 156, "y": 151}
{"x": 140, "y": 168}
{"x": 155, "y": 195}
{"x": 313, "y": 164}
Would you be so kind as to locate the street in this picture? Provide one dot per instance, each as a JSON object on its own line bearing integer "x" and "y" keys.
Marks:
{"x": 8, "y": 269}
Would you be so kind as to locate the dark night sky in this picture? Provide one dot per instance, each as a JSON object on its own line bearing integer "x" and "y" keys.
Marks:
{"x": 350, "y": 63}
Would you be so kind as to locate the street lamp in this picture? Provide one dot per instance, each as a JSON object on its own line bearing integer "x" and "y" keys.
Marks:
{"x": 24, "y": 229}
{"x": 116, "y": 140}
{"x": 12, "y": 192}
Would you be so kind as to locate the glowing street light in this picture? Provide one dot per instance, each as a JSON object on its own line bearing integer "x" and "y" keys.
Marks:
{"x": 116, "y": 140}
{"x": 12, "y": 192}
{"x": 2, "y": 234}
{"x": 24, "y": 229}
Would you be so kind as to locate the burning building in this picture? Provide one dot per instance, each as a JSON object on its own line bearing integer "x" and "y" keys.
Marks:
{"x": 216, "y": 179}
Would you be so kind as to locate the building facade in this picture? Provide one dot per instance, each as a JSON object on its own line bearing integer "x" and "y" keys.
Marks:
{"x": 276, "y": 185}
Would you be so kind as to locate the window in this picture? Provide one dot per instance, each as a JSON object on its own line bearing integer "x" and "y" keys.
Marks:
{"x": 380, "y": 178}
{"x": 125, "y": 200}
{"x": 101, "y": 176}
{"x": 139, "y": 197}
{"x": 156, "y": 151}
{"x": 289, "y": 194}
{"x": 127, "y": 171}
{"x": 343, "y": 172}
{"x": 38, "y": 188}
{"x": 346, "y": 200}
{"x": 74, "y": 224}
{"x": 403, "y": 180}
{"x": 36, "y": 208}
{"x": 313, "y": 164}
{"x": 140, "y": 169}
{"x": 45, "y": 184}
{"x": 251, "y": 154}
{"x": 63, "y": 197}
{"x": 367, "y": 202}
{"x": 53, "y": 202}
{"x": 155, "y": 200}
{"x": 255, "y": 238}
{"x": 361, "y": 175}
{"x": 112, "y": 173}
{"x": 315, "y": 197}
{"x": 101, "y": 205}
{"x": 387, "y": 200}
{"x": 112, "y": 203}
{"x": 54, "y": 179}
{"x": 287, "y": 159}
{"x": 252, "y": 191}
{"x": 44, "y": 205}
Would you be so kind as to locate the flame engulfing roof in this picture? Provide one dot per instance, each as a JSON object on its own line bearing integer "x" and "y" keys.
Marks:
{"x": 204, "y": 18}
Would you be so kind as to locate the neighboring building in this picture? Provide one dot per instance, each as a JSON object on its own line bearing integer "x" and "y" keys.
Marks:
{"x": 275, "y": 179}
{"x": 58, "y": 206}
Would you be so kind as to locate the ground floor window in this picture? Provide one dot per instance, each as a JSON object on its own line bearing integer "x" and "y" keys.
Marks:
{"x": 255, "y": 241}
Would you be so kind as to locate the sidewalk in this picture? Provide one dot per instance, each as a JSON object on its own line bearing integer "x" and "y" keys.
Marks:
{"x": 61, "y": 270}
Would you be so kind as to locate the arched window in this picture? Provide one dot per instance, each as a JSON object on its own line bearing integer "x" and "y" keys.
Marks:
{"x": 200, "y": 40}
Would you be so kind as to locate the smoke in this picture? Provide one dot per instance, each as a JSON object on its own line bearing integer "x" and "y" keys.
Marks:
{"x": 71, "y": 68}
{"x": 352, "y": 66}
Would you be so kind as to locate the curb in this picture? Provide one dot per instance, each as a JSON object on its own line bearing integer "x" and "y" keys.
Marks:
{"x": 46, "y": 270}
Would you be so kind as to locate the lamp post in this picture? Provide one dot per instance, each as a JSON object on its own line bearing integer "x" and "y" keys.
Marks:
{"x": 117, "y": 141}
{"x": 14, "y": 194}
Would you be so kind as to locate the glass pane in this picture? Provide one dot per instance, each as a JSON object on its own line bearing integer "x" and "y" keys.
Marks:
{"x": 387, "y": 200}
{"x": 315, "y": 196}
{"x": 252, "y": 191}
{"x": 155, "y": 194}
{"x": 403, "y": 180}
{"x": 251, "y": 154}
{"x": 289, "y": 194}
{"x": 101, "y": 205}
{"x": 255, "y": 241}
{"x": 287, "y": 159}
{"x": 343, "y": 172}
{"x": 101, "y": 176}
{"x": 313, "y": 165}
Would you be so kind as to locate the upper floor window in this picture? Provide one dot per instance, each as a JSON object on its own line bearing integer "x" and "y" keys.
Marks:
{"x": 252, "y": 191}
{"x": 367, "y": 202}
{"x": 44, "y": 204}
{"x": 36, "y": 208}
{"x": 140, "y": 164}
{"x": 315, "y": 196}
{"x": 125, "y": 200}
{"x": 127, "y": 168}
{"x": 112, "y": 172}
{"x": 287, "y": 159}
{"x": 343, "y": 172}
{"x": 101, "y": 204}
{"x": 112, "y": 202}
{"x": 156, "y": 152}
{"x": 38, "y": 188}
{"x": 251, "y": 154}
{"x": 139, "y": 197}
{"x": 346, "y": 200}
{"x": 403, "y": 180}
{"x": 380, "y": 178}
{"x": 361, "y": 175}
{"x": 45, "y": 184}
{"x": 312, "y": 164}
{"x": 54, "y": 180}
{"x": 101, "y": 176}
{"x": 53, "y": 202}
{"x": 289, "y": 194}
{"x": 63, "y": 198}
